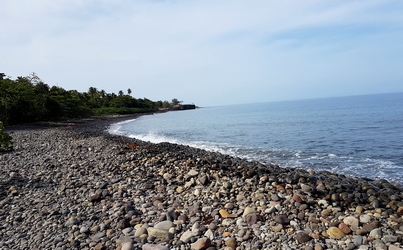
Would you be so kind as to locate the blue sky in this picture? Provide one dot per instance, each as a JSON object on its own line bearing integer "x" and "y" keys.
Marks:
{"x": 207, "y": 52}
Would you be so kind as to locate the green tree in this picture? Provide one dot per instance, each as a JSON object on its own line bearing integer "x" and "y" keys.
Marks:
{"x": 175, "y": 102}
{"x": 6, "y": 141}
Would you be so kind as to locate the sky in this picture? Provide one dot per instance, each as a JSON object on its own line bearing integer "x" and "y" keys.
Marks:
{"x": 207, "y": 52}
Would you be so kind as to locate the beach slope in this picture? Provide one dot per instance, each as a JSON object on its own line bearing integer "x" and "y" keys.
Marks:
{"x": 77, "y": 187}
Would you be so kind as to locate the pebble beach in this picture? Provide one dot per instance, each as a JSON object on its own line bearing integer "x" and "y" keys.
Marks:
{"x": 74, "y": 186}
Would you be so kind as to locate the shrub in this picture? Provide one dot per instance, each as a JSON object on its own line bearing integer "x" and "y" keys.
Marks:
{"x": 6, "y": 141}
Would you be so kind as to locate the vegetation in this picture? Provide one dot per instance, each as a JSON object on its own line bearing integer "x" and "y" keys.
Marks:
{"x": 6, "y": 143}
{"x": 29, "y": 100}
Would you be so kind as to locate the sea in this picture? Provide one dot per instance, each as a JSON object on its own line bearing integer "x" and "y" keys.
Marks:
{"x": 357, "y": 136}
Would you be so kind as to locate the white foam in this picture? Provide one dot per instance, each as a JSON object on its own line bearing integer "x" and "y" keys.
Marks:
{"x": 154, "y": 138}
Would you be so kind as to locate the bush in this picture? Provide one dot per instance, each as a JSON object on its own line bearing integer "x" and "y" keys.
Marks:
{"x": 6, "y": 141}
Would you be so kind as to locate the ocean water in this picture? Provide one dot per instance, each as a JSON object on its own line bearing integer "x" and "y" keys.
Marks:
{"x": 356, "y": 136}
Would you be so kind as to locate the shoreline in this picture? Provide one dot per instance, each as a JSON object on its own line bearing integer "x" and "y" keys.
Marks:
{"x": 79, "y": 187}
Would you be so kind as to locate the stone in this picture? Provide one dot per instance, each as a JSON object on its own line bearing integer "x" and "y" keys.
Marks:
{"x": 122, "y": 224}
{"x": 297, "y": 198}
{"x": 365, "y": 218}
{"x": 165, "y": 225}
{"x": 231, "y": 242}
{"x": 351, "y": 221}
{"x": 84, "y": 230}
{"x": 306, "y": 188}
{"x": 376, "y": 233}
{"x": 251, "y": 219}
{"x": 282, "y": 219}
{"x": 140, "y": 231}
{"x": 186, "y": 236}
{"x": 302, "y": 237}
{"x": 127, "y": 230}
{"x": 277, "y": 228}
{"x": 357, "y": 240}
{"x": 127, "y": 245}
{"x": 226, "y": 234}
{"x": 224, "y": 213}
{"x": 344, "y": 228}
{"x": 392, "y": 247}
{"x": 158, "y": 233}
{"x": 179, "y": 189}
{"x": 335, "y": 233}
{"x": 390, "y": 238}
{"x": 209, "y": 234}
{"x": 248, "y": 210}
{"x": 95, "y": 197}
{"x": 71, "y": 222}
{"x": 154, "y": 247}
{"x": 318, "y": 247}
{"x": 200, "y": 244}
{"x": 98, "y": 236}
{"x": 229, "y": 205}
{"x": 193, "y": 173}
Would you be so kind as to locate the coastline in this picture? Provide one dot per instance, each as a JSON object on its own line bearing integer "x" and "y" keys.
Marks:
{"x": 75, "y": 186}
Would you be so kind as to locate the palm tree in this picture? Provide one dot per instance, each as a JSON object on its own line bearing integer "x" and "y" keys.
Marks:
{"x": 92, "y": 92}
{"x": 129, "y": 91}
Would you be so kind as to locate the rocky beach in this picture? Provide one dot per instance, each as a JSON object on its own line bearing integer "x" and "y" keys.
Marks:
{"x": 74, "y": 186}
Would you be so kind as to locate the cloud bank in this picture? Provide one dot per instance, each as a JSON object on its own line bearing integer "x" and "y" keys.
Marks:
{"x": 207, "y": 52}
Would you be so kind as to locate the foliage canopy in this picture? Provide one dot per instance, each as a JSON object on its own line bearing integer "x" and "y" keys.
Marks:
{"x": 6, "y": 142}
{"x": 28, "y": 99}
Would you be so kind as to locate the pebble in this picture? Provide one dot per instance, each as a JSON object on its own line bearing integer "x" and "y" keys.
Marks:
{"x": 201, "y": 243}
{"x": 158, "y": 233}
{"x": 302, "y": 237}
{"x": 57, "y": 194}
{"x": 335, "y": 233}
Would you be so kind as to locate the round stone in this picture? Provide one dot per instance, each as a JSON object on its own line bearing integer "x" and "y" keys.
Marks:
{"x": 335, "y": 233}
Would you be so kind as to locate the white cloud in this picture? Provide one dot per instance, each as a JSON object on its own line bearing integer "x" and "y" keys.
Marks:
{"x": 218, "y": 51}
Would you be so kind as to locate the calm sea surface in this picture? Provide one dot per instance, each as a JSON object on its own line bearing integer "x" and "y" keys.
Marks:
{"x": 356, "y": 136}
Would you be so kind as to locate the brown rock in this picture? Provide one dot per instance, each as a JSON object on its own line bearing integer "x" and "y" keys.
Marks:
{"x": 122, "y": 224}
{"x": 282, "y": 219}
{"x": 158, "y": 233}
{"x": 201, "y": 244}
{"x": 231, "y": 242}
{"x": 95, "y": 197}
{"x": 351, "y": 221}
{"x": 224, "y": 214}
{"x": 335, "y": 233}
{"x": 251, "y": 219}
{"x": 344, "y": 228}
{"x": 154, "y": 247}
{"x": 297, "y": 198}
{"x": 302, "y": 237}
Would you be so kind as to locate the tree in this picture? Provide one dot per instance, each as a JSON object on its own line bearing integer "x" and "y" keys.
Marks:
{"x": 34, "y": 79}
{"x": 93, "y": 92}
{"x": 129, "y": 91}
{"x": 120, "y": 93}
{"x": 6, "y": 141}
{"x": 175, "y": 102}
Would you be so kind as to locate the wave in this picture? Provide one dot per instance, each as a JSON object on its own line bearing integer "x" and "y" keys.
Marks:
{"x": 349, "y": 165}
